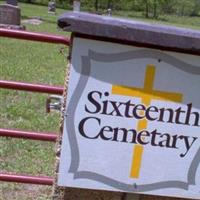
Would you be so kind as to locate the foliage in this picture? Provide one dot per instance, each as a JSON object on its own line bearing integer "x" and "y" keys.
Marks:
{"x": 150, "y": 8}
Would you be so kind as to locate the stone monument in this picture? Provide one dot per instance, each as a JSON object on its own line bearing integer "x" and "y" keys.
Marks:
{"x": 76, "y": 5}
{"x": 10, "y": 15}
{"x": 52, "y": 7}
{"x": 12, "y": 2}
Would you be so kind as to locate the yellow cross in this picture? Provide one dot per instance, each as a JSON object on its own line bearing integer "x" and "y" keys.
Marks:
{"x": 147, "y": 94}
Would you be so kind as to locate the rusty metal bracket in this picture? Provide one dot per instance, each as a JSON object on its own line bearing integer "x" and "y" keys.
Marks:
{"x": 54, "y": 102}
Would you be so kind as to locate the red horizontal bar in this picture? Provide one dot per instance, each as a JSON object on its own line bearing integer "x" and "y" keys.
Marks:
{"x": 30, "y": 87}
{"x": 34, "y": 36}
{"x": 50, "y": 137}
{"x": 39, "y": 180}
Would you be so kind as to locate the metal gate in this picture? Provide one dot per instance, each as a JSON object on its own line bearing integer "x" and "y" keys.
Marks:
{"x": 30, "y": 87}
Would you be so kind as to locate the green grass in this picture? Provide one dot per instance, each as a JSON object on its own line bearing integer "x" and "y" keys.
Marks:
{"x": 40, "y": 63}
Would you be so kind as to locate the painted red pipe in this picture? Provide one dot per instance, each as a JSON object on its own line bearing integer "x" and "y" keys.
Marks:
{"x": 30, "y": 87}
{"x": 50, "y": 137}
{"x": 34, "y": 36}
{"x": 39, "y": 180}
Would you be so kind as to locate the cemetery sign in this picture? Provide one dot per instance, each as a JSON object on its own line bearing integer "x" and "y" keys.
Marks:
{"x": 132, "y": 119}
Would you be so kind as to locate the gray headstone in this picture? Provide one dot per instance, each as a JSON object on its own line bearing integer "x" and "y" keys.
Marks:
{"x": 9, "y": 14}
{"x": 12, "y": 2}
{"x": 52, "y": 7}
{"x": 109, "y": 11}
{"x": 77, "y": 5}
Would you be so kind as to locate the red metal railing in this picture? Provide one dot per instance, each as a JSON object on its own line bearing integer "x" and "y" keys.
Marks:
{"x": 30, "y": 87}
{"x": 50, "y": 137}
{"x": 33, "y": 36}
{"x": 39, "y": 180}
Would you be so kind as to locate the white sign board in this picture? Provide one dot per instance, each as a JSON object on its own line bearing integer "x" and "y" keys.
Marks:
{"x": 132, "y": 120}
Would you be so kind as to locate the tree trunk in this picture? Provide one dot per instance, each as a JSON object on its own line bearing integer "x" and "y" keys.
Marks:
{"x": 147, "y": 9}
{"x": 155, "y": 9}
{"x": 109, "y": 4}
{"x": 96, "y": 5}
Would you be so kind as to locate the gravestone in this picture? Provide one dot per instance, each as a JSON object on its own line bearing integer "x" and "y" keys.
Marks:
{"x": 52, "y": 7}
{"x": 109, "y": 11}
{"x": 76, "y": 5}
{"x": 12, "y": 2}
{"x": 10, "y": 15}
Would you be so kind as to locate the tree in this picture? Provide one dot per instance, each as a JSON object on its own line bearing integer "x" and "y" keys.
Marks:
{"x": 146, "y": 7}
{"x": 196, "y": 8}
{"x": 109, "y": 4}
{"x": 96, "y": 5}
{"x": 155, "y": 6}
{"x": 185, "y": 7}
{"x": 150, "y": 5}
{"x": 168, "y": 6}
